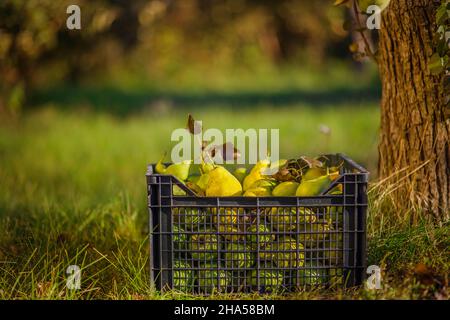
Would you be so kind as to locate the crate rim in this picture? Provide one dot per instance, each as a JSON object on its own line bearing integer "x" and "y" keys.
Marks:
{"x": 363, "y": 172}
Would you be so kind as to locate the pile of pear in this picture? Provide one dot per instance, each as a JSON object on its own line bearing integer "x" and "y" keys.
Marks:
{"x": 214, "y": 180}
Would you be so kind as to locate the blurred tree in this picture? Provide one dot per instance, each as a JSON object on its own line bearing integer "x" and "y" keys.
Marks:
{"x": 34, "y": 41}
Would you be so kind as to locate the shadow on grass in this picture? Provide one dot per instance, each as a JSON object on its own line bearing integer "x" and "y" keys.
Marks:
{"x": 122, "y": 102}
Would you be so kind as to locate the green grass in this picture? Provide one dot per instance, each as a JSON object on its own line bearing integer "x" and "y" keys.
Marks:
{"x": 73, "y": 189}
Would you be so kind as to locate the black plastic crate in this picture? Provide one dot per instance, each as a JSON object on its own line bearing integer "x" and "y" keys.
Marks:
{"x": 263, "y": 244}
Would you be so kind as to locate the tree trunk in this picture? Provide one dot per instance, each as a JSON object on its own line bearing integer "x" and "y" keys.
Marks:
{"x": 414, "y": 149}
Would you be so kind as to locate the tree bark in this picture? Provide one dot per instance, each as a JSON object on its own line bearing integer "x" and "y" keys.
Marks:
{"x": 414, "y": 148}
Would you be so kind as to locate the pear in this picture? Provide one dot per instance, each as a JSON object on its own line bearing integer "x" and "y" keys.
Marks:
{"x": 240, "y": 173}
{"x": 249, "y": 194}
{"x": 221, "y": 183}
{"x": 312, "y": 274}
{"x": 227, "y": 222}
{"x": 269, "y": 280}
{"x": 285, "y": 189}
{"x": 177, "y": 191}
{"x": 313, "y": 187}
{"x": 284, "y": 253}
{"x": 313, "y": 233}
{"x": 193, "y": 178}
{"x": 255, "y": 174}
{"x": 261, "y": 188}
{"x": 333, "y": 250}
{"x": 287, "y": 254}
{"x": 189, "y": 218}
{"x": 238, "y": 255}
{"x": 263, "y": 234}
{"x": 314, "y": 173}
{"x": 211, "y": 277}
{"x": 178, "y": 170}
{"x": 204, "y": 246}
{"x": 183, "y": 275}
{"x": 258, "y": 192}
{"x": 202, "y": 182}
{"x": 160, "y": 167}
{"x": 285, "y": 219}
{"x": 336, "y": 190}
{"x": 263, "y": 183}
{"x": 179, "y": 237}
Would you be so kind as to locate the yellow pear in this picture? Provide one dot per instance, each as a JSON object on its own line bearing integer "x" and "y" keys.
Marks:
{"x": 313, "y": 187}
{"x": 249, "y": 193}
{"x": 221, "y": 183}
{"x": 285, "y": 189}
{"x": 259, "y": 192}
{"x": 255, "y": 174}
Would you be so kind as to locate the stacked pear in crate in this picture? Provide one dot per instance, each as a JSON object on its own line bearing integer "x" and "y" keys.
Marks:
{"x": 267, "y": 248}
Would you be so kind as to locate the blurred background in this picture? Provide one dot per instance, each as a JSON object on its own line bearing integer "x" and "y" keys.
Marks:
{"x": 82, "y": 112}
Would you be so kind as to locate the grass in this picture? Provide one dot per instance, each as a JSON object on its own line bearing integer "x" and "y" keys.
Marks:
{"x": 72, "y": 192}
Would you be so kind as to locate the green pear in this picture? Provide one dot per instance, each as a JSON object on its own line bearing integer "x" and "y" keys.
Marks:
{"x": 285, "y": 189}
{"x": 227, "y": 222}
{"x": 240, "y": 173}
{"x": 177, "y": 191}
{"x": 314, "y": 173}
{"x": 183, "y": 276}
{"x": 238, "y": 256}
{"x": 285, "y": 219}
{"x": 269, "y": 280}
{"x": 313, "y": 187}
{"x": 193, "y": 178}
{"x": 287, "y": 254}
{"x": 312, "y": 234}
{"x": 221, "y": 183}
{"x": 310, "y": 275}
{"x": 263, "y": 234}
{"x": 263, "y": 183}
{"x": 204, "y": 246}
{"x": 180, "y": 170}
{"x": 210, "y": 278}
